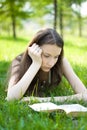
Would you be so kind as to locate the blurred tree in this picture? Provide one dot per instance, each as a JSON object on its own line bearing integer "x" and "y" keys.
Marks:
{"x": 46, "y": 8}
{"x": 14, "y": 9}
{"x": 60, "y": 7}
{"x": 64, "y": 10}
{"x": 58, "y": 12}
{"x": 42, "y": 10}
{"x": 55, "y": 14}
{"x": 66, "y": 5}
{"x": 77, "y": 11}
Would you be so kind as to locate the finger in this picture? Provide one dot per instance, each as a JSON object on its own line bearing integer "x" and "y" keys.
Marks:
{"x": 34, "y": 45}
{"x": 38, "y": 50}
{"x": 33, "y": 48}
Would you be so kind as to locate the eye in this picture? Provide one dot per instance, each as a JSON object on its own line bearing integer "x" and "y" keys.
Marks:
{"x": 56, "y": 57}
{"x": 47, "y": 56}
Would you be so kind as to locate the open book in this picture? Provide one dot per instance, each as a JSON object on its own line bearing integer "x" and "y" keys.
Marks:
{"x": 69, "y": 109}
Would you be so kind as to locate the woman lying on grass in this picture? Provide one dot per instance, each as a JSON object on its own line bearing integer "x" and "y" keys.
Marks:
{"x": 41, "y": 67}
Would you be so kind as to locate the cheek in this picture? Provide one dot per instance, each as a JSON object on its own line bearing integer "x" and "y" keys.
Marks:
{"x": 55, "y": 61}
{"x": 43, "y": 60}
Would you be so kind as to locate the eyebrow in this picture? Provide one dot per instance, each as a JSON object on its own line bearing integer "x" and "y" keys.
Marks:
{"x": 49, "y": 54}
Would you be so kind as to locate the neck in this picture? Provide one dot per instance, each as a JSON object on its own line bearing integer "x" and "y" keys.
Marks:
{"x": 43, "y": 76}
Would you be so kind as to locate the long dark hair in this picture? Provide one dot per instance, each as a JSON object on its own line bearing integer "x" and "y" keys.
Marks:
{"x": 45, "y": 36}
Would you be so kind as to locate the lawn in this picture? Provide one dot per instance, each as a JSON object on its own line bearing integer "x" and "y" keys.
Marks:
{"x": 17, "y": 115}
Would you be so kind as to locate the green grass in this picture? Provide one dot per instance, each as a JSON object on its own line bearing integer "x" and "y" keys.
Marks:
{"x": 18, "y": 116}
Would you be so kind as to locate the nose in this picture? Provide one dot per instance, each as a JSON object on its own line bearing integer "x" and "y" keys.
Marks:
{"x": 51, "y": 62}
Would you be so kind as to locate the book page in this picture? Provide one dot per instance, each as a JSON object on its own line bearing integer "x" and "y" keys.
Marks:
{"x": 46, "y": 106}
{"x": 70, "y": 109}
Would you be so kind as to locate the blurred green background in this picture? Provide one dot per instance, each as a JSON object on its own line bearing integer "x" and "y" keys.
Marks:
{"x": 19, "y": 21}
{"x": 18, "y": 18}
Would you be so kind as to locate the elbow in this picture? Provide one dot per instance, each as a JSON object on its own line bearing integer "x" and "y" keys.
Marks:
{"x": 11, "y": 96}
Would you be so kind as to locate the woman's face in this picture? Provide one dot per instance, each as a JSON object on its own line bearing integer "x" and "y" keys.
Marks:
{"x": 50, "y": 54}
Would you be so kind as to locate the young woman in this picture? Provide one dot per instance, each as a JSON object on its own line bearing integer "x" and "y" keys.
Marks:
{"x": 41, "y": 68}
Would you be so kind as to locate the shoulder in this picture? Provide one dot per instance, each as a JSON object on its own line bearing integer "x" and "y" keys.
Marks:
{"x": 15, "y": 64}
{"x": 14, "y": 70}
{"x": 65, "y": 62}
{"x": 66, "y": 67}
{"x": 17, "y": 60}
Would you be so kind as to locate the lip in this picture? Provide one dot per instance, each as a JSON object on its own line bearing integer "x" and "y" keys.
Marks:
{"x": 48, "y": 68}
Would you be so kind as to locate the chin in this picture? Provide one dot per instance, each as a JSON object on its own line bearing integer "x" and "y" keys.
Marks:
{"x": 46, "y": 70}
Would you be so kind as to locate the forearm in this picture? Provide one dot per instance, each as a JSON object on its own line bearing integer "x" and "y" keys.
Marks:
{"x": 58, "y": 98}
{"x": 78, "y": 86}
{"x": 18, "y": 90}
{"x": 69, "y": 98}
{"x": 72, "y": 78}
{"x": 62, "y": 98}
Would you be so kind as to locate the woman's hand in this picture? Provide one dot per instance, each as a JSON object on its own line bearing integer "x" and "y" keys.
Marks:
{"x": 84, "y": 96}
{"x": 35, "y": 53}
{"x": 33, "y": 99}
